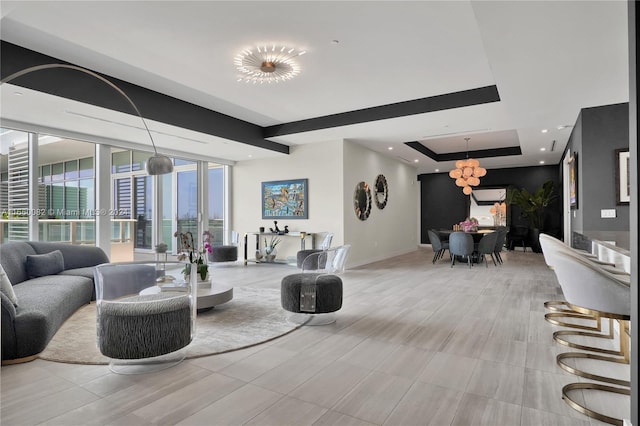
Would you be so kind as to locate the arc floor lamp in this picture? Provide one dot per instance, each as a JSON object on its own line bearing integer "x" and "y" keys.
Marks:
{"x": 157, "y": 164}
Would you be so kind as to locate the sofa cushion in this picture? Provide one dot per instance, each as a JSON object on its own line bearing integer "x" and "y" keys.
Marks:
{"x": 6, "y": 287}
{"x": 12, "y": 258}
{"x": 45, "y": 303}
{"x": 87, "y": 272}
{"x": 75, "y": 256}
{"x": 40, "y": 265}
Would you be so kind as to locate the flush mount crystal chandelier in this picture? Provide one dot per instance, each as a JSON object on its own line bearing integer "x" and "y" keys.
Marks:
{"x": 269, "y": 63}
{"x": 467, "y": 172}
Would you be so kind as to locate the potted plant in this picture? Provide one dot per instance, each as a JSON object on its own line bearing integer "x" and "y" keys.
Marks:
{"x": 270, "y": 248}
{"x": 533, "y": 206}
{"x": 189, "y": 253}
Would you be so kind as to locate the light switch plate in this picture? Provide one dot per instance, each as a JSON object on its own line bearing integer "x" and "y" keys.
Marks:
{"x": 608, "y": 213}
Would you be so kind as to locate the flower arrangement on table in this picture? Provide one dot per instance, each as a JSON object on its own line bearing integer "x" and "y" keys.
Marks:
{"x": 469, "y": 224}
{"x": 188, "y": 251}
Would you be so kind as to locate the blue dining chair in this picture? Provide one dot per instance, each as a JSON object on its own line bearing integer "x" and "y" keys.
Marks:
{"x": 460, "y": 244}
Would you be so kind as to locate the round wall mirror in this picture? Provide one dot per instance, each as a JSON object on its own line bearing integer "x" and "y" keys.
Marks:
{"x": 362, "y": 200}
{"x": 381, "y": 192}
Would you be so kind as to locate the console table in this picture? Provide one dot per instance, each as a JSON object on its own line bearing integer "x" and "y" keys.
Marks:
{"x": 302, "y": 236}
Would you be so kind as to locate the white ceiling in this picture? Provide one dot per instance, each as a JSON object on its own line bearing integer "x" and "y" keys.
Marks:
{"x": 548, "y": 60}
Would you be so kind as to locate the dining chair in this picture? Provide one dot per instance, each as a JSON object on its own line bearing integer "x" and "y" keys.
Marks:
{"x": 500, "y": 240}
{"x": 439, "y": 246}
{"x": 486, "y": 246}
{"x": 518, "y": 235}
{"x": 460, "y": 244}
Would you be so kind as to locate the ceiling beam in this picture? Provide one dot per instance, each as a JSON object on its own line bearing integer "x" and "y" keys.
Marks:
{"x": 480, "y": 95}
{"x": 450, "y": 156}
{"x": 153, "y": 105}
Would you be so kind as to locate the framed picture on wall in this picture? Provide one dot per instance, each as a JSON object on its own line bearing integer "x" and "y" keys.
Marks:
{"x": 623, "y": 189}
{"x": 573, "y": 181}
{"x": 285, "y": 199}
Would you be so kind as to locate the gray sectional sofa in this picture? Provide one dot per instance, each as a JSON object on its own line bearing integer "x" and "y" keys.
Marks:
{"x": 50, "y": 281}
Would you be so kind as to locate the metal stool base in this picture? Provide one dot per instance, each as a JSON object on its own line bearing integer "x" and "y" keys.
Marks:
{"x": 586, "y": 411}
{"x": 567, "y": 355}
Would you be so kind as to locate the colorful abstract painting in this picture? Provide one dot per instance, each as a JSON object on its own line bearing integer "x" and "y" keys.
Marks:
{"x": 285, "y": 199}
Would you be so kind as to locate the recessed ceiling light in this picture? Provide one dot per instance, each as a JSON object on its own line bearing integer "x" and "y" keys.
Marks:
{"x": 18, "y": 93}
{"x": 542, "y": 162}
{"x": 250, "y": 155}
{"x": 390, "y": 148}
{"x": 437, "y": 170}
{"x": 335, "y": 41}
{"x": 543, "y": 149}
{"x": 544, "y": 130}
{"x": 416, "y": 160}
{"x": 563, "y": 126}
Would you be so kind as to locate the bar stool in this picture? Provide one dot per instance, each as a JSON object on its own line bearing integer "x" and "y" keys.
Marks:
{"x": 559, "y": 308}
{"x": 591, "y": 290}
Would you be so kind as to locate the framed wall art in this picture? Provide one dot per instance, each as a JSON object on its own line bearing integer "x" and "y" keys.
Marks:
{"x": 573, "y": 181}
{"x": 285, "y": 199}
{"x": 623, "y": 189}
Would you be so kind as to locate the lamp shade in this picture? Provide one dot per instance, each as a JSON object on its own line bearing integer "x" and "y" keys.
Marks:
{"x": 159, "y": 164}
{"x": 467, "y": 190}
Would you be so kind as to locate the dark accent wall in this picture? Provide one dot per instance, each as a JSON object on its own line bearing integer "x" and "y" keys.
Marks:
{"x": 442, "y": 203}
{"x": 597, "y": 134}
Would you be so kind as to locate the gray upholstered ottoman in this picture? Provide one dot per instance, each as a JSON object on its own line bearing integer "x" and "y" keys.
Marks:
{"x": 311, "y": 293}
{"x": 303, "y": 254}
{"x": 224, "y": 254}
{"x": 144, "y": 326}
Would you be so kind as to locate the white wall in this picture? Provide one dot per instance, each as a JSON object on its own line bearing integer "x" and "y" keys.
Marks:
{"x": 334, "y": 169}
{"x": 321, "y": 163}
{"x": 388, "y": 232}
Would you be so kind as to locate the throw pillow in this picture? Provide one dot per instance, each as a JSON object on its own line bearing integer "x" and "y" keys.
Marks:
{"x": 40, "y": 265}
{"x": 6, "y": 287}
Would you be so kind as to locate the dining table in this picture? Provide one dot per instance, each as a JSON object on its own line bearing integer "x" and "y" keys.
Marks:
{"x": 477, "y": 235}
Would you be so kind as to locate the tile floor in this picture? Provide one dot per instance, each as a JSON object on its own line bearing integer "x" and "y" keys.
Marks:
{"x": 414, "y": 344}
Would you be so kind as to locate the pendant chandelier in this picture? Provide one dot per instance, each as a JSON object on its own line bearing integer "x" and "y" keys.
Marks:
{"x": 467, "y": 172}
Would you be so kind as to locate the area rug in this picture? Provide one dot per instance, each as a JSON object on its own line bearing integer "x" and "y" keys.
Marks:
{"x": 253, "y": 316}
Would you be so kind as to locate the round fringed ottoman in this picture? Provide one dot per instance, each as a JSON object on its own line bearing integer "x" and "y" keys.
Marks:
{"x": 311, "y": 293}
{"x": 224, "y": 254}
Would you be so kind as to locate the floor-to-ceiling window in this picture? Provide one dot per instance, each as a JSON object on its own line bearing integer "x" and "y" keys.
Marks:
{"x": 66, "y": 190}
{"x": 14, "y": 185}
{"x": 215, "y": 199}
{"x": 66, "y": 195}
